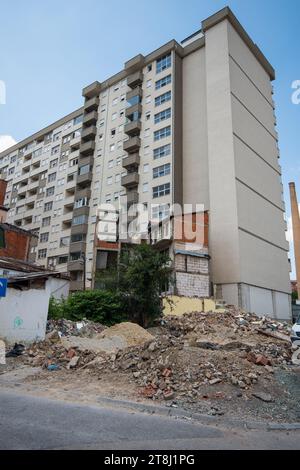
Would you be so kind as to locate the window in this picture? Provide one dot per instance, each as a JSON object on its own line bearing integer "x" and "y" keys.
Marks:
{"x": 162, "y": 116}
{"x": 113, "y": 132}
{"x": 148, "y": 116}
{"x": 101, "y": 122}
{"x": 77, "y": 237}
{"x": 112, "y": 147}
{"x": 146, "y": 167}
{"x": 80, "y": 219}
{"x": 147, "y": 132}
{"x": 108, "y": 198}
{"x": 115, "y": 101}
{"x": 62, "y": 167}
{"x": 162, "y": 133}
{"x": 162, "y": 151}
{"x": 57, "y": 212}
{"x": 116, "y": 196}
{"x": 51, "y": 177}
{"x": 73, "y": 162}
{"x": 134, "y": 100}
{"x": 53, "y": 163}
{"x": 78, "y": 119}
{"x": 145, "y": 187}
{"x": 161, "y": 170}
{"x": 160, "y": 211}
{"x": 83, "y": 170}
{"x": 44, "y": 237}
{"x": 103, "y": 108}
{"x": 149, "y": 83}
{"x": 146, "y": 150}
{"x": 149, "y": 68}
{"x": 67, "y": 125}
{"x": 110, "y": 163}
{"x": 162, "y": 82}
{"x": 163, "y": 98}
{"x": 100, "y": 136}
{"x": 161, "y": 190}
{"x": 36, "y": 218}
{"x": 56, "y": 136}
{"x": 38, "y": 152}
{"x": 42, "y": 253}
{"x": 55, "y": 150}
{"x": 65, "y": 153}
{"x": 114, "y": 116}
{"x": 46, "y": 221}
{"x": 48, "y": 206}
{"x": 118, "y": 161}
{"x": 66, "y": 139}
{"x": 75, "y": 256}
{"x": 83, "y": 201}
{"x": 50, "y": 191}
{"x": 61, "y": 182}
{"x": 163, "y": 63}
{"x": 62, "y": 259}
{"x": 109, "y": 180}
{"x": 64, "y": 241}
{"x": 148, "y": 99}
{"x": 117, "y": 177}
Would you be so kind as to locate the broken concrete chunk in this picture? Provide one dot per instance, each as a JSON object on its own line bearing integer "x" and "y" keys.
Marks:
{"x": 263, "y": 396}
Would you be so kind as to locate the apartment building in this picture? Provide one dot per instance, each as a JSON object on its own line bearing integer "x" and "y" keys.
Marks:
{"x": 190, "y": 123}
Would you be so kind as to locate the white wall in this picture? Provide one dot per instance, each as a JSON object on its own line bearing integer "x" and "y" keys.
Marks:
{"x": 23, "y": 314}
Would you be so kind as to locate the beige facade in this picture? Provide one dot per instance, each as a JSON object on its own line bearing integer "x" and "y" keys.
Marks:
{"x": 190, "y": 123}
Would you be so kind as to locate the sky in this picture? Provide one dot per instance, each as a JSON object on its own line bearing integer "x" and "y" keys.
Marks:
{"x": 51, "y": 49}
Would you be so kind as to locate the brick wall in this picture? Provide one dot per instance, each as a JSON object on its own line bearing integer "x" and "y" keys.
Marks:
{"x": 3, "y": 185}
{"x": 16, "y": 245}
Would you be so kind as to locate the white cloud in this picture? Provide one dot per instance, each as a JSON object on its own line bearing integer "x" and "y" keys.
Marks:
{"x": 6, "y": 141}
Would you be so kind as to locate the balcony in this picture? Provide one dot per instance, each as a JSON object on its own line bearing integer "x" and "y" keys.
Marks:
{"x": 91, "y": 104}
{"x": 81, "y": 228}
{"x": 132, "y": 145}
{"x": 90, "y": 118}
{"x": 133, "y": 128}
{"x": 87, "y": 148}
{"x": 136, "y": 108}
{"x": 76, "y": 285}
{"x": 89, "y": 133}
{"x": 91, "y": 90}
{"x": 132, "y": 197}
{"x": 132, "y": 161}
{"x": 85, "y": 179}
{"x": 77, "y": 246}
{"x": 75, "y": 143}
{"x": 84, "y": 210}
{"x": 135, "y": 79}
{"x": 131, "y": 180}
{"x": 138, "y": 91}
{"x": 75, "y": 265}
{"x": 86, "y": 192}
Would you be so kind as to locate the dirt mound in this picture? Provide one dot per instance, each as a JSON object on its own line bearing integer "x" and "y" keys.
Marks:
{"x": 131, "y": 333}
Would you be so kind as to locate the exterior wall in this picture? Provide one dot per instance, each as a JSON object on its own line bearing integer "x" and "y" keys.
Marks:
{"x": 24, "y": 315}
{"x": 17, "y": 245}
{"x": 194, "y": 126}
{"x": 192, "y": 276}
{"x": 24, "y": 312}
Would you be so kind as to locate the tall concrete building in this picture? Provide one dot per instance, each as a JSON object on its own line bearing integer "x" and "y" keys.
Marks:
{"x": 190, "y": 123}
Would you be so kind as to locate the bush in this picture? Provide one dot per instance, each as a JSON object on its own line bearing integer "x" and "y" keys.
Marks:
{"x": 100, "y": 306}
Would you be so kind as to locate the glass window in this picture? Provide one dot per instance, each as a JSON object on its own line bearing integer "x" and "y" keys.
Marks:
{"x": 161, "y": 190}
{"x": 162, "y": 82}
{"x": 78, "y": 119}
{"x": 161, "y": 170}
{"x": 163, "y": 98}
{"x": 162, "y": 133}
{"x": 163, "y": 63}
{"x": 162, "y": 151}
{"x": 162, "y": 116}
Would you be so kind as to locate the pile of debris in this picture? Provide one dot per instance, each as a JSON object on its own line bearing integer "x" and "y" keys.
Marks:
{"x": 65, "y": 327}
{"x": 178, "y": 356}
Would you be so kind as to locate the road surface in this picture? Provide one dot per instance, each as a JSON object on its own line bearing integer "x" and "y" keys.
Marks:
{"x": 28, "y": 422}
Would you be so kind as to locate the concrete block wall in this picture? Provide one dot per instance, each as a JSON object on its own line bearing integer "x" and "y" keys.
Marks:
{"x": 192, "y": 276}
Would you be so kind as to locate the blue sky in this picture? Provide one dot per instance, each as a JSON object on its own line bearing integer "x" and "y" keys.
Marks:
{"x": 50, "y": 49}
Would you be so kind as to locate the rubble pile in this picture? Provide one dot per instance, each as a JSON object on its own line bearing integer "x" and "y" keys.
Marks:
{"x": 180, "y": 355}
{"x": 65, "y": 327}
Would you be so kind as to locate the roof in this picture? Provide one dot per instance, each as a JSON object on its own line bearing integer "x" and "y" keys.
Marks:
{"x": 31, "y": 271}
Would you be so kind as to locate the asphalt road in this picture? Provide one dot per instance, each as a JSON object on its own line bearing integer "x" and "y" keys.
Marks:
{"x": 27, "y": 422}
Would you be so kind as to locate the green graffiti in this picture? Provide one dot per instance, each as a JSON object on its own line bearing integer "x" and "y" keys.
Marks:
{"x": 18, "y": 322}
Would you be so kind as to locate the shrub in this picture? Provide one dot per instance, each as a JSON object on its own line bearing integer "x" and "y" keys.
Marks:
{"x": 100, "y": 306}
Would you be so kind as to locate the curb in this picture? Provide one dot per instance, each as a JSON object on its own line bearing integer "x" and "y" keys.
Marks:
{"x": 180, "y": 413}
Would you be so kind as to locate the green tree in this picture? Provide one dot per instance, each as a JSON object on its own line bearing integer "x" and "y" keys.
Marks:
{"x": 143, "y": 275}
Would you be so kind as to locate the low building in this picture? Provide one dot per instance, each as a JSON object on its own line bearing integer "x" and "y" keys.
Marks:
{"x": 24, "y": 309}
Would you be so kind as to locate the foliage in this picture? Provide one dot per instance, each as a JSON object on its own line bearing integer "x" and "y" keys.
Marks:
{"x": 100, "y": 306}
